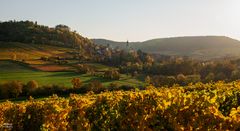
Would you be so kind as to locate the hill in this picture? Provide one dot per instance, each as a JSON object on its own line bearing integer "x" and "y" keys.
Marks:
{"x": 204, "y": 47}
{"x": 30, "y": 38}
{"x": 32, "y": 32}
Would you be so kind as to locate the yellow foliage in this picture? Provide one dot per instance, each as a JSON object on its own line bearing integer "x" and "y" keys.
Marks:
{"x": 194, "y": 107}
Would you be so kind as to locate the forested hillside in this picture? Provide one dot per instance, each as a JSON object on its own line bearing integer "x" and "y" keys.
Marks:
{"x": 32, "y": 32}
{"x": 201, "y": 47}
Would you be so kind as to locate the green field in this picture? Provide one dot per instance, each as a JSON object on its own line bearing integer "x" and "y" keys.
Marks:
{"x": 13, "y": 71}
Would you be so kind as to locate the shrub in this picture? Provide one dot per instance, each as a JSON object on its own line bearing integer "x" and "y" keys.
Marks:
{"x": 76, "y": 82}
{"x": 48, "y": 90}
{"x": 30, "y": 87}
{"x": 220, "y": 76}
{"x": 112, "y": 74}
{"x": 113, "y": 86}
{"x": 83, "y": 69}
{"x": 95, "y": 86}
{"x": 15, "y": 88}
{"x": 159, "y": 80}
{"x": 193, "y": 78}
{"x": 181, "y": 79}
{"x": 209, "y": 77}
{"x": 126, "y": 87}
{"x": 12, "y": 89}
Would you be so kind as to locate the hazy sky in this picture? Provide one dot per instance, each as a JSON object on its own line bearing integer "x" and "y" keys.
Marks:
{"x": 135, "y": 20}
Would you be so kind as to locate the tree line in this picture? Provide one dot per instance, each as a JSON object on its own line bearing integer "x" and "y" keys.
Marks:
{"x": 18, "y": 89}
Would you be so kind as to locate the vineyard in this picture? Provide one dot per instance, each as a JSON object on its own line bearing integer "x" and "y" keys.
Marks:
{"x": 214, "y": 106}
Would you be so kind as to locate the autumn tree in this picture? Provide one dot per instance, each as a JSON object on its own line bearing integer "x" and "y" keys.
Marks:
{"x": 112, "y": 74}
{"x": 83, "y": 68}
{"x": 30, "y": 87}
{"x": 14, "y": 88}
{"x": 149, "y": 60}
{"x": 76, "y": 82}
{"x": 95, "y": 86}
{"x": 32, "y": 84}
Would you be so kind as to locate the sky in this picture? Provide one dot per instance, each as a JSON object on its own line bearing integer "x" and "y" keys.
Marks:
{"x": 133, "y": 20}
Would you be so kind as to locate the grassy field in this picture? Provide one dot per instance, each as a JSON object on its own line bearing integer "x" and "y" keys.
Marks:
{"x": 30, "y": 51}
{"x": 10, "y": 70}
